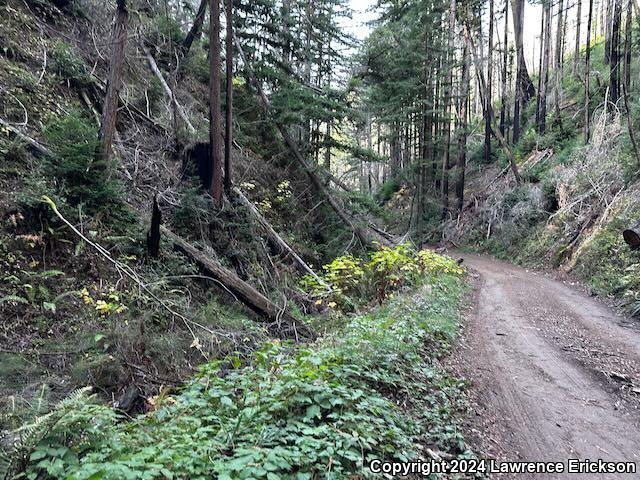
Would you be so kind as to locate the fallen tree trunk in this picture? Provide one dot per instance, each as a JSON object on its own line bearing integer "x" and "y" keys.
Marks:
{"x": 167, "y": 89}
{"x": 273, "y": 235}
{"x": 317, "y": 183}
{"x": 27, "y": 139}
{"x": 337, "y": 181}
{"x": 283, "y": 322}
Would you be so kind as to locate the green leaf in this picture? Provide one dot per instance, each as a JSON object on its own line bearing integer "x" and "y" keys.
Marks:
{"x": 312, "y": 411}
{"x": 13, "y": 299}
{"x": 49, "y": 307}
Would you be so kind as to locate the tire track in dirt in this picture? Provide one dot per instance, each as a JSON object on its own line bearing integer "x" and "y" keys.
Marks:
{"x": 552, "y": 371}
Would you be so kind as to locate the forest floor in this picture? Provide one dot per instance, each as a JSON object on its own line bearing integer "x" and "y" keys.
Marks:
{"x": 554, "y": 373}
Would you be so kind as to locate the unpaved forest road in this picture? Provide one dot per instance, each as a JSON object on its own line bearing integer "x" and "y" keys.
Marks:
{"x": 535, "y": 350}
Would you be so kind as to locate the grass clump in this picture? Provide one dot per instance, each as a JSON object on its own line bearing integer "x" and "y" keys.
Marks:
{"x": 371, "y": 390}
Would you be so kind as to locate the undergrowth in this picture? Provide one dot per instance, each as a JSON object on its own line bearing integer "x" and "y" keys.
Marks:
{"x": 373, "y": 389}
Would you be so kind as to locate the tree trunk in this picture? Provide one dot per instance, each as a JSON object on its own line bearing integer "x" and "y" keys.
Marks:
{"x": 505, "y": 55}
{"x": 524, "y": 85}
{"x": 608, "y": 24}
{"x": 628, "y": 37}
{"x": 153, "y": 235}
{"x": 544, "y": 74}
{"x": 542, "y": 30}
{"x": 614, "y": 64}
{"x": 447, "y": 109}
{"x": 587, "y": 74}
{"x": 114, "y": 82}
{"x": 462, "y": 140}
{"x": 228, "y": 138}
{"x": 488, "y": 99}
{"x": 244, "y": 292}
{"x": 558, "y": 62}
{"x": 481, "y": 86}
{"x": 214, "y": 103}
{"x": 195, "y": 30}
{"x": 576, "y": 54}
{"x": 273, "y": 236}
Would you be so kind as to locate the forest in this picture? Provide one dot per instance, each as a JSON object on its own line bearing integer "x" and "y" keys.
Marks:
{"x": 263, "y": 239}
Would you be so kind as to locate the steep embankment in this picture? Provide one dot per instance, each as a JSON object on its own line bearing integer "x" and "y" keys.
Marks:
{"x": 374, "y": 389}
{"x": 98, "y": 309}
{"x": 573, "y": 204}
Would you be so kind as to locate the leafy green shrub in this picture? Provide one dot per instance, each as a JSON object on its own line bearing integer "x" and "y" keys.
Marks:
{"x": 69, "y": 65}
{"x": 48, "y": 447}
{"x": 352, "y": 280}
{"x": 370, "y": 391}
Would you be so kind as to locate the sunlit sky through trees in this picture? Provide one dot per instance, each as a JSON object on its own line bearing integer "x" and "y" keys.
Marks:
{"x": 364, "y": 12}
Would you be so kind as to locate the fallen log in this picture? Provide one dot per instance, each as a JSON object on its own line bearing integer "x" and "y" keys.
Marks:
{"x": 274, "y": 237}
{"x": 283, "y": 321}
{"x": 33, "y": 144}
{"x": 167, "y": 89}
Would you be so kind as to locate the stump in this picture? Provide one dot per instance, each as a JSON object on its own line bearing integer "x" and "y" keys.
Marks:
{"x": 153, "y": 235}
{"x": 632, "y": 236}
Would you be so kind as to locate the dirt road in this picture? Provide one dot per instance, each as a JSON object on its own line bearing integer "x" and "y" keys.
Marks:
{"x": 552, "y": 370}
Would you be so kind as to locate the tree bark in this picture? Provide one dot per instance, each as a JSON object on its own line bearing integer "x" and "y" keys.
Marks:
{"x": 544, "y": 74}
{"x": 524, "y": 86}
{"x": 462, "y": 140}
{"x": 587, "y": 74}
{"x": 114, "y": 82}
{"x": 447, "y": 109}
{"x": 195, "y": 30}
{"x": 170, "y": 93}
{"x": 153, "y": 235}
{"x": 628, "y": 38}
{"x": 274, "y": 237}
{"x": 214, "y": 103}
{"x": 244, "y": 292}
{"x": 542, "y": 27}
{"x": 488, "y": 99}
{"x": 481, "y": 85}
{"x": 505, "y": 54}
{"x": 558, "y": 62}
{"x": 228, "y": 138}
{"x": 576, "y": 54}
{"x": 614, "y": 64}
